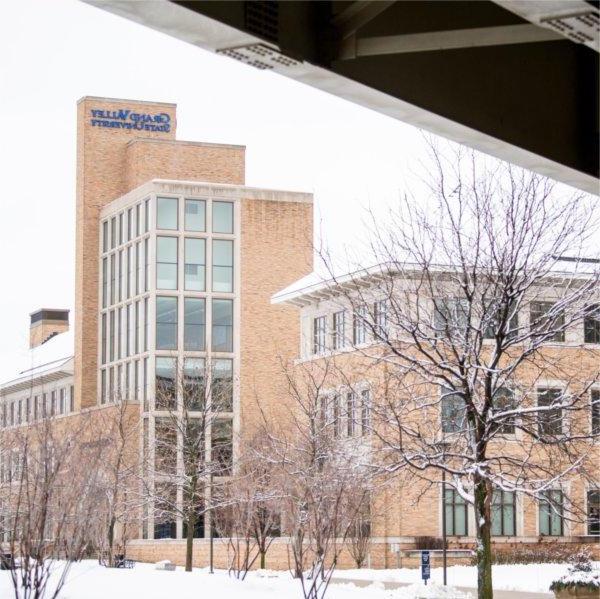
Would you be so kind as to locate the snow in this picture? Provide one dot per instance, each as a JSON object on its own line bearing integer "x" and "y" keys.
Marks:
{"x": 89, "y": 580}
{"x": 534, "y": 578}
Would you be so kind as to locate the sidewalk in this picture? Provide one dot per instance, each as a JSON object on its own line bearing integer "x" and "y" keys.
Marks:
{"x": 396, "y": 585}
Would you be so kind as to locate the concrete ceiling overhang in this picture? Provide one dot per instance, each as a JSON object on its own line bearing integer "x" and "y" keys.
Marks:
{"x": 515, "y": 79}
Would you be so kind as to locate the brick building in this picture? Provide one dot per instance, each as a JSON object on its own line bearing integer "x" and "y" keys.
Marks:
{"x": 181, "y": 268}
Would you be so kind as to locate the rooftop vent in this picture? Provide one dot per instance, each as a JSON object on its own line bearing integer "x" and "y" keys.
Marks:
{"x": 260, "y": 56}
{"x": 45, "y": 324}
{"x": 581, "y": 27}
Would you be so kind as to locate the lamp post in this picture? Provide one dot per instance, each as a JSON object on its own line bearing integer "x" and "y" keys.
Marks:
{"x": 444, "y": 526}
{"x": 212, "y": 523}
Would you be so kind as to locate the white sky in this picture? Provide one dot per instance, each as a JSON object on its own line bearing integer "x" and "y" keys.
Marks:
{"x": 298, "y": 138}
{"x": 55, "y": 52}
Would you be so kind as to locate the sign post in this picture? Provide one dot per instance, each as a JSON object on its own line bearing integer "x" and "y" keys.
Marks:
{"x": 425, "y": 566}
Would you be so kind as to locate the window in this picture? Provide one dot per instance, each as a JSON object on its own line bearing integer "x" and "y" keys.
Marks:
{"x": 122, "y": 274}
{"x": 129, "y": 223}
{"x": 166, "y": 384}
{"x": 71, "y": 399}
{"x": 504, "y": 517}
{"x": 380, "y": 312}
{"x": 335, "y": 415}
{"x": 549, "y": 421}
{"x": 120, "y": 228}
{"x": 166, "y": 322}
{"x": 222, "y": 325}
{"x": 453, "y": 411}
{"x": 504, "y": 400}
{"x": 456, "y": 514}
{"x": 591, "y": 324}
{"x": 194, "y": 324}
{"x": 319, "y": 334}
{"x": 551, "y": 513}
{"x": 194, "y": 383}
{"x": 104, "y": 281}
{"x": 103, "y": 337}
{"x": 111, "y": 336}
{"x": 127, "y": 329}
{"x": 222, "y": 217}
{"x": 105, "y": 247}
{"x": 450, "y": 317}
{"x": 111, "y": 383}
{"x": 145, "y": 345}
{"x": 339, "y": 329}
{"x": 222, "y": 446}
{"x": 136, "y": 330}
{"x": 166, "y": 213}
{"x": 496, "y": 313}
{"x": 359, "y": 329}
{"x": 61, "y": 403}
{"x": 593, "y": 512}
{"x": 365, "y": 409}
{"x": 166, "y": 262}
{"x": 146, "y": 258}
{"x": 595, "y": 406}
{"x": 195, "y": 215}
{"x": 165, "y": 526}
{"x": 129, "y": 270}
{"x": 544, "y": 318}
{"x": 113, "y": 232}
{"x": 113, "y": 273}
{"x": 137, "y": 273}
{"x": 119, "y": 331}
{"x": 222, "y": 385}
{"x": 350, "y": 414}
{"x": 195, "y": 264}
{"x": 146, "y": 217}
{"x": 103, "y": 386}
{"x": 222, "y": 269}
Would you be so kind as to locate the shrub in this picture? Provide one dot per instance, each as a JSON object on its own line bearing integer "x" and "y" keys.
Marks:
{"x": 540, "y": 554}
{"x": 580, "y": 574}
{"x": 429, "y": 543}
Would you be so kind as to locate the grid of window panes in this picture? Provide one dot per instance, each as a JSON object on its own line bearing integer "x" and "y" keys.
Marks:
{"x": 191, "y": 354}
{"x": 124, "y": 303}
{"x": 35, "y": 406}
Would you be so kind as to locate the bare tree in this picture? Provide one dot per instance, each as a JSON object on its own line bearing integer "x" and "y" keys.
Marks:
{"x": 359, "y": 536}
{"x": 476, "y": 313}
{"x": 250, "y": 520}
{"x": 320, "y": 473}
{"x": 117, "y": 429}
{"x": 193, "y": 446}
{"x": 48, "y": 497}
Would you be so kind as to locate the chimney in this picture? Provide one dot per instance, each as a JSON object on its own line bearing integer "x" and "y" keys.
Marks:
{"x": 45, "y": 324}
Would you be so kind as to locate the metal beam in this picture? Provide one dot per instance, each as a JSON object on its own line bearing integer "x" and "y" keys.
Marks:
{"x": 358, "y": 14}
{"x": 448, "y": 40}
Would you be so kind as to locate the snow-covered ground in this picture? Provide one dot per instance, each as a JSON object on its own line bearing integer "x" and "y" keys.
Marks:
{"x": 88, "y": 580}
{"x": 531, "y": 577}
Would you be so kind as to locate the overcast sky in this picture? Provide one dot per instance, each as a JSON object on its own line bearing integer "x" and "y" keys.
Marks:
{"x": 298, "y": 138}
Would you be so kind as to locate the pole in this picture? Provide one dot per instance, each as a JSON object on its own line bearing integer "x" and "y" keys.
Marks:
{"x": 444, "y": 525}
{"x": 212, "y": 525}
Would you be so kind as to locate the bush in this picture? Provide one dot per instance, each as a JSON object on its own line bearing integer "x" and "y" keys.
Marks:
{"x": 540, "y": 554}
{"x": 580, "y": 574}
{"x": 429, "y": 543}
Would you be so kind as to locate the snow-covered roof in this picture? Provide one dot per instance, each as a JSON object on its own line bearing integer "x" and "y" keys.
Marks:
{"x": 316, "y": 285}
{"x": 49, "y": 360}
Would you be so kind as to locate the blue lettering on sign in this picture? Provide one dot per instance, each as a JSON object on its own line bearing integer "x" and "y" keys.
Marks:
{"x": 425, "y": 566}
{"x": 126, "y": 119}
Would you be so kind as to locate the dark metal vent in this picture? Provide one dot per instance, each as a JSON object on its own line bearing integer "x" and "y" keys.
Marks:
{"x": 262, "y": 19}
{"x": 259, "y": 56}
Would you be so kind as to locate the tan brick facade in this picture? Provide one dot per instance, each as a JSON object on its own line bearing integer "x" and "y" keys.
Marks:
{"x": 110, "y": 162}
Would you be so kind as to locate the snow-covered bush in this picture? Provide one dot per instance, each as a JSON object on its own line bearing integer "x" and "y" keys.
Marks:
{"x": 581, "y": 574}
{"x": 542, "y": 553}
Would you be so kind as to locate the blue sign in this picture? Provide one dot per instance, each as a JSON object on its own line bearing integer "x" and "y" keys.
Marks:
{"x": 425, "y": 566}
{"x": 127, "y": 119}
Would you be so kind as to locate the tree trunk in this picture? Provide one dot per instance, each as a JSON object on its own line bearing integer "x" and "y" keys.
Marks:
{"x": 483, "y": 551}
{"x": 111, "y": 541}
{"x": 263, "y": 559}
{"x": 189, "y": 541}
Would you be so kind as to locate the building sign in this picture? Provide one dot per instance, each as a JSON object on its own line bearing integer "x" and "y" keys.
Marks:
{"x": 425, "y": 566}
{"x": 127, "y": 119}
